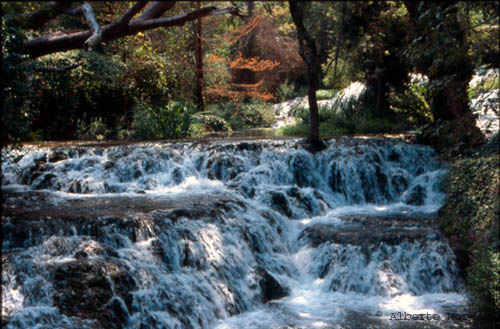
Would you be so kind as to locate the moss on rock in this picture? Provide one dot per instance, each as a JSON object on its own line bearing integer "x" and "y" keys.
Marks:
{"x": 470, "y": 219}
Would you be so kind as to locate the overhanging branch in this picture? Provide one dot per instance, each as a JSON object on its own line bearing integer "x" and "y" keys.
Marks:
{"x": 94, "y": 27}
{"x": 156, "y": 9}
{"x": 61, "y": 42}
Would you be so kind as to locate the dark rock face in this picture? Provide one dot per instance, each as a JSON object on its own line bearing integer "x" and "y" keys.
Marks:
{"x": 270, "y": 287}
{"x": 57, "y": 155}
{"x": 85, "y": 288}
{"x": 416, "y": 196}
{"x": 280, "y": 203}
{"x": 365, "y": 230}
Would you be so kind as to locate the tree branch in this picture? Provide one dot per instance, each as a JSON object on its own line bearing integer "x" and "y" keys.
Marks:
{"x": 94, "y": 27}
{"x": 179, "y": 20}
{"x": 60, "y": 41}
{"x": 131, "y": 12}
{"x": 156, "y": 9}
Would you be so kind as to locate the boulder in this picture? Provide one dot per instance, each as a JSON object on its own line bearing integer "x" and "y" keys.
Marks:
{"x": 270, "y": 287}
{"x": 89, "y": 289}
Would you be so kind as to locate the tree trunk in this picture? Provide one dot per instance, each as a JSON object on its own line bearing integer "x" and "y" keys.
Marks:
{"x": 450, "y": 78}
{"x": 198, "y": 90}
{"x": 449, "y": 72}
{"x": 381, "y": 97}
{"x": 309, "y": 53}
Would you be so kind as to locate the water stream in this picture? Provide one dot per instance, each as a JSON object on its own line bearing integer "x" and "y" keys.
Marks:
{"x": 260, "y": 234}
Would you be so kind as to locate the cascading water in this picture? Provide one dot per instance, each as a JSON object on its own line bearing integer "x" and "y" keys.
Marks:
{"x": 226, "y": 235}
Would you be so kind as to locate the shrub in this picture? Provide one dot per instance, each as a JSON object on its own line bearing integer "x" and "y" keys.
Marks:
{"x": 210, "y": 123}
{"x": 96, "y": 129}
{"x": 153, "y": 122}
{"x": 325, "y": 94}
{"x": 470, "y": 218}
{"x": 412, "y": 105}
{"x": 244, "y": 115}
{"x": 285, "y": 91}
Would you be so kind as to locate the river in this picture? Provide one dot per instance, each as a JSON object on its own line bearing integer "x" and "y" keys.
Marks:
{"x": 242, "y": 234}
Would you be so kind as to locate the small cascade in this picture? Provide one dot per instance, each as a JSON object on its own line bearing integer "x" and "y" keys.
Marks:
{"x": 225, "y": 235}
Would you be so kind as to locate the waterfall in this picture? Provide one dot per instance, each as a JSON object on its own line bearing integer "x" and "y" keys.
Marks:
{"x": 260, "y": 234}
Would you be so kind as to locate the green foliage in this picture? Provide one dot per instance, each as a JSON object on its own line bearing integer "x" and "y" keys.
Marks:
{"x": 96, "y": 129}
{"x": 297, "y": 130}
{"x": 157, "y": 122}
{"x": 210, "y": 123}
{"x": 17, "y": 112}
{"x": 470, "y": 218}
{"x": 244, "y": 116}
{"x": 325, "y": 94}
{"x": 285, "y": 91}
{"x": 411, "y": 104}
{"x": 326, "y": 129}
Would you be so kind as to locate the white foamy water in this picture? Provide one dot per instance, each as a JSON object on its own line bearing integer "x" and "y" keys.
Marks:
{"x": 230, "y": 235}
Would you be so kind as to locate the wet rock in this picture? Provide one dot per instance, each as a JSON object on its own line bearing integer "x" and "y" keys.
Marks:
{"x": 93, "y": 248}
{"x": 177, "y": 175}
{"x": 76, "y": 152}
{"x": 57, "y": 156}
{"x": 44, "y": 182}
{"x": 279, "y": 202}
{"x": 416, "y": 196}
{"x": 336, "y": 179}
{"x": 270, "y": 287}
{"x": 303, "y": 201}
{"x": 115, "y": 314}
{"x": 399, "y": 183}
{"x": 302, "y": 170}
{"x": 394, "y": 156}
{"x": 31, "y": 173}
{"x": 223, "y": 167}
{"x": 85, "y": 288}
{"x": 366, "y": 230}
{"x": 109, "y": 164}
{"x": 75, "y": 187}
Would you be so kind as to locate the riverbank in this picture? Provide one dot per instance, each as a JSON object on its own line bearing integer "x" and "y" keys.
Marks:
{"x": 470, "y": 219}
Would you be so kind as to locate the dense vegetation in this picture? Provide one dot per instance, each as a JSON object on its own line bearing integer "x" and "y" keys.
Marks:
{"x": 231, "y": 67}
{"x": 470, "y": 218}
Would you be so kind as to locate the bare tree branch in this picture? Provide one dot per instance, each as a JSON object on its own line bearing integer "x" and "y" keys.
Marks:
{"x": 94, "y": 27}
{"x": 156, "y": 9}
{"x": 60, "y": 41}
{"x": 179, "y": 20}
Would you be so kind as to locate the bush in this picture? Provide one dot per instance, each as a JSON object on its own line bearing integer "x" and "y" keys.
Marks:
{"x": 325, "y": 94}
{"x": 156, "y": 122}
{"x": 244, "y": 116}
{"x": 411, "y": 105}
{"x": 96, "y": 129}
{"x": 470, "y": 219}
{"x": 285, "y": 91}
{"x": 209, "y": 123}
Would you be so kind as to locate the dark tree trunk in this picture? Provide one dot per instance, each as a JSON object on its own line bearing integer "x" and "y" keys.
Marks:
{"x": 381, "y": 103}
{"x": 309, "y": 53}
{"x": 198, "y": 90}
{"x": 449, "y": 71}
{"x": 450, "y": 78}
